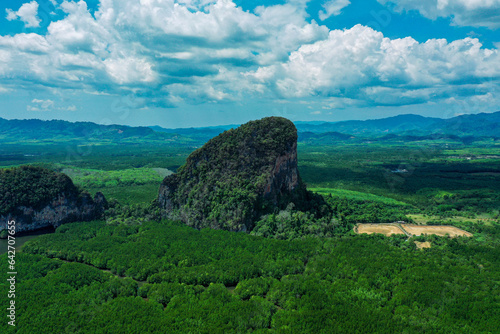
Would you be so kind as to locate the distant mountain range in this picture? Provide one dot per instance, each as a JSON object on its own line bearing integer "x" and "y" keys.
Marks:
{"x": 465, "y": 128}
{"x": 402, "y": 127}
{"x": 485, "y": 124}
{"x": 39, "y": 131}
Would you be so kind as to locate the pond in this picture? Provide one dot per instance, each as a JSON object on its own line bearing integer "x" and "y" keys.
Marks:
{"x": 22, "y": 238}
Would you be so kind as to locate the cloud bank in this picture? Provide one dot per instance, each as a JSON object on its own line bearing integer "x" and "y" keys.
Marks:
{"x": 363, "y": 66}
{"x": 165, "y": 52}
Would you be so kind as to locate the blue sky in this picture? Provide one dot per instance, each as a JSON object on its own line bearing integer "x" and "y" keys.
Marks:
{"x": 200, "y": 62}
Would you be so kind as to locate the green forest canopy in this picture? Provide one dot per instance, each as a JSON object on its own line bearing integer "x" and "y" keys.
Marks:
{"x": 349, "y": 284}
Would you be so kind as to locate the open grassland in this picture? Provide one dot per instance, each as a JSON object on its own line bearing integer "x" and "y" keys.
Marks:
{"x": 385, "y": 229}
{"x": 105, "y": 178}
{"x": 129, "y": 194}
{"x": 357, "y": 195}
{"x": 452, "y": 231}
{"x": 127, "y": 186}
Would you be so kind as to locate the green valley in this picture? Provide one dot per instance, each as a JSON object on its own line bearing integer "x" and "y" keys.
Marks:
{"x": 299, "y": 270}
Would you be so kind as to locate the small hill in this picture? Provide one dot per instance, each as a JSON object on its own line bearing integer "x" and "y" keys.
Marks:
{"x": 483, "y": 124}
{"x": 236, "y": 177}
{"x": 36, "y": 197}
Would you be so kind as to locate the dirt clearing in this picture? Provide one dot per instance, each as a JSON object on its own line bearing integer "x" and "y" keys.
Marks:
{"x": 421, "y": 245}
{"x": 385, "y": 229}
{"x": 410, "y": 230}
{"x": 439, "y": 230}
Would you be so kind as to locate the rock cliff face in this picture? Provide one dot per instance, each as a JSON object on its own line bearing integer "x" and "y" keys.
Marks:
{"x": 36, "y": 198}
{"x": 284, "y": 176}
{"x": 236, "y": 177}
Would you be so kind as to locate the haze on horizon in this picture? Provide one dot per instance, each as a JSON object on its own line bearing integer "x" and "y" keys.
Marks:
{"x": 192, "y": 63}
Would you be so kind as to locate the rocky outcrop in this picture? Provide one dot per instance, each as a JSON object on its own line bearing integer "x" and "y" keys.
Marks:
{"x": 236, "y": 177}
{"x": 284, "y": 176}
{"x": 50, "y": 199}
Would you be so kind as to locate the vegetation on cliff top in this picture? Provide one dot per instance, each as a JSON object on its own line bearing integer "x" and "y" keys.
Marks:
{"x": 32, "y": 187}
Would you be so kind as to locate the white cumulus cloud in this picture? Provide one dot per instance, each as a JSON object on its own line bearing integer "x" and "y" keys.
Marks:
{"x": 28, "y": 13}
{"x": 165, "y": 52}
{"x": 332, "y": 8}
{"x": 157, "y": 49}
{"x": 40, "y": 105}
{"x": 361, "y": 64}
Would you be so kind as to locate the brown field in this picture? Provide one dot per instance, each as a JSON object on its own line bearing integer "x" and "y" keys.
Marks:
{"x": 385, "y": 229}
{"x": 439, "y": 230}
{"x": 424, "y": 244}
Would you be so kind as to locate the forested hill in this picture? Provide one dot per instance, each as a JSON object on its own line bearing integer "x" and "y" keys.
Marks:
{"x": 36, "y": 197}
{"x": 236, "y": 177}
{"x": 35, "y": 130}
